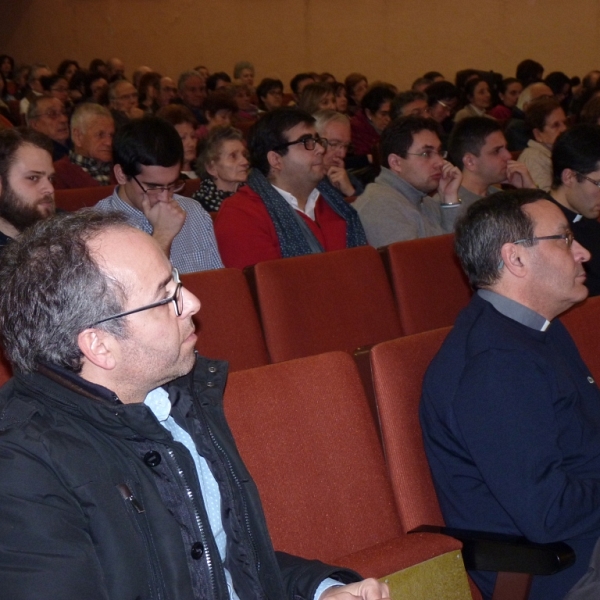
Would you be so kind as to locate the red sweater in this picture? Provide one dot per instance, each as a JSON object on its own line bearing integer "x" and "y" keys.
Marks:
{"x": 364, "y": 135}
{"x": 246, "y": 234}
{"x": 70, "y": 176}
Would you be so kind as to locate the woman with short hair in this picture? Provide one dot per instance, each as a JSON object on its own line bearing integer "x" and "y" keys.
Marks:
{"x": 546, "y": 120}
{"x": 223, "y": 166}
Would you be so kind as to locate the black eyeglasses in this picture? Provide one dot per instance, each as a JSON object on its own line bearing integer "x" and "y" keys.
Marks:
{"x": 568, "y": 237}
{"x": 176, "y": 299}
{"x": 155, "y": 190}
{"x": 310, "y": 142}
{"x": 594, "y": 181}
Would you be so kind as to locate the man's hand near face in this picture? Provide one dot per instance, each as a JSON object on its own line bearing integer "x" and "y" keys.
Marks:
{"x": 339, "y": 179}
{"x": 167, "y": 219}
{"x": 518, "y": 175}
{"x": 449, "y": 183}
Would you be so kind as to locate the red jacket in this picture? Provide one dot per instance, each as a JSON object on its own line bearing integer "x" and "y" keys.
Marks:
{"x": 246, "y": 234}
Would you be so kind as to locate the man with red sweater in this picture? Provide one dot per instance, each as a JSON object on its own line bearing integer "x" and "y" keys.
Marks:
{"x": 89, "y": 164}
{"x": 288, "y": 207}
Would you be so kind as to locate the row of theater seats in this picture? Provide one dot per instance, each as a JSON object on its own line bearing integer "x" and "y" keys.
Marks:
{"x": 330, "y": 490}
{"x": 305, "y": 427}
{"x": 289, "y": 308}
{"x": 74, "y": 199}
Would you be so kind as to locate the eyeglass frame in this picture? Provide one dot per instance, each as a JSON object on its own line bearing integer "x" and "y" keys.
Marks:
{"x": 429, "y": 154}
{"x": 596, "y": 182}
{"x": 337, "y": 145}
{"x": 316, "y": 139}
{"x": 171, "y": 188}
{"x": 568, "y": 237}
{"x": 445, "y": 105}
{"x": 177, "y": 294}
{"x": 52, "y": 114}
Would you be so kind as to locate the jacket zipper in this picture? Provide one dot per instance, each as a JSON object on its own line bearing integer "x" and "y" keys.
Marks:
{"x": 242, "y": 495}
{"x": 190, "y": 495}
{"x": 127, "y": 495}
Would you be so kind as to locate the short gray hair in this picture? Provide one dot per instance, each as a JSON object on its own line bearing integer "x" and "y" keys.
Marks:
{"x": 324, "y": 117}
{"x": 85, "y": 112}
{"x": 33, "y": 108}
{"x": 53, "y": 289}
{"x": 185, "y": 76}
{"x": 240, "y": 66}
{"x": 488, "y": 224}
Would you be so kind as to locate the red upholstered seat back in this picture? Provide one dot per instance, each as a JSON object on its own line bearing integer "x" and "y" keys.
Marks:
{"x": 398, "y": 369}
{"x": 304, "y": 430}
{"x": 74, "y": 199}
{"x": 583, "y": 323}
{"x": 191, "y": 186}
{"x": 5, "y": 369}
{"x": 428, "y": 281}
{"x": 227, "y": 324}
{"x": 322, "y": 302}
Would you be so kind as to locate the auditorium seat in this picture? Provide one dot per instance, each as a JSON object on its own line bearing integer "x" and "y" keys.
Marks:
{"x": 429, "y": 285}
{"x": 304, "y": 432}
{"x": 322, "y": 302}
{"x": 583, "y": 323}
{"x": 398, "y": 368}
{"x": 227, "y": 324}
{"x": 191, "y": 186}
{"x": 74, "y": 199}
{"x": 5, "y": 369}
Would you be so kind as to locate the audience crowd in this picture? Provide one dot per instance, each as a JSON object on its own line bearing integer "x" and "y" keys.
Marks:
{"x": 328, "y": 166}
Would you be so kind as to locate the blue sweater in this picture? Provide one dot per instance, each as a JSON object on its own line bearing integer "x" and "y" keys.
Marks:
{"x": 511, "y": 426}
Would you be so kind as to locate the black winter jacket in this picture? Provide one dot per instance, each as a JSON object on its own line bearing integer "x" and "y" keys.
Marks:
{"x": 97, "y": 501}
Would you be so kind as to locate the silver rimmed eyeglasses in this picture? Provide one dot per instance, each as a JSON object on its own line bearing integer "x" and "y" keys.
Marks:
{"x": 568, "y": 237}
{"x": 430, "y": 153}
{"x": 176, "y": 299}
{"x": 594, "y": 181}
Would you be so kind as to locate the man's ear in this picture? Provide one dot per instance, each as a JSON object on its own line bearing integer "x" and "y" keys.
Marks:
{"x": 568, "y": 177}
{"x": 469, "y": 161}
{"x": 76, "y": 136}
{"x": 512, "y": 255}
{"x": 275, "y": 160}
{"x": 98, "y": 348}
{"x": 119, "y": 175}
{"x": 395, "y": 163}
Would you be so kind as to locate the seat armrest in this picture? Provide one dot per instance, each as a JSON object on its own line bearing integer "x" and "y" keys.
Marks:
{"x": 485, "y": 551}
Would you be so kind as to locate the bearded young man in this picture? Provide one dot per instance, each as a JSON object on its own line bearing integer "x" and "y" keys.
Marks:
{"x": 26, "y": 172}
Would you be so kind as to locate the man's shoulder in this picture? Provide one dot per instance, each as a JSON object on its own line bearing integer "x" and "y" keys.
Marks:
{"x": 19, "y": 410}
{"x": 71, "y": 175}
{"x": 377, "y": 195}
{"x": 111, "y": 202}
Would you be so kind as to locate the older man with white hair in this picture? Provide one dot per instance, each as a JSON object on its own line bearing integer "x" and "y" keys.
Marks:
{"x": 89, "y": 164}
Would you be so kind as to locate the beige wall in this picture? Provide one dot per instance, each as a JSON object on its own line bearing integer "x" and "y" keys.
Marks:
{"x": 392, "y": 40}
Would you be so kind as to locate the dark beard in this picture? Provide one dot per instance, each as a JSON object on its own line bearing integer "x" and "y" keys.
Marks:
{"x": 16, "y": 212}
